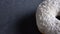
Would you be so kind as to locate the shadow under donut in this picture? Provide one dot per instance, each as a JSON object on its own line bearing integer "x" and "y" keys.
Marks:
{"x": 28, "y": 25}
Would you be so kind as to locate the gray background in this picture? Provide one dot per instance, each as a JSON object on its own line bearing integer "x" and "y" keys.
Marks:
{"x": 18, "y": 16}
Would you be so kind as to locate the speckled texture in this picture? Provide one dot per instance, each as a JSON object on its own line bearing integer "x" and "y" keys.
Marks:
{"x": 46, "y": 17}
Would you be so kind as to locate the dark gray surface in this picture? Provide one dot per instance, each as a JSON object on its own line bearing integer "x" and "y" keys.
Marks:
{"x": 18, "y": 16}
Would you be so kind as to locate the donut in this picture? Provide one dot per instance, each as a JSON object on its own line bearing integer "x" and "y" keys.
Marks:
{"x": 48, "y": 17}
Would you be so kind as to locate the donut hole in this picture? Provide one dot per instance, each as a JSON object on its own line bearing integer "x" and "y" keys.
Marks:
{"x": 58, "y": 17}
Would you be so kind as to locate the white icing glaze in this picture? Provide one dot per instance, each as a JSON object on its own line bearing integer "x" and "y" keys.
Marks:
{"x": 46, "y": 17}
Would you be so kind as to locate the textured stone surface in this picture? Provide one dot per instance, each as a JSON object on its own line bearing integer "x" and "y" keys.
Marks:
{"x": 17, "y": 16}
{"x": 46, "y": 17}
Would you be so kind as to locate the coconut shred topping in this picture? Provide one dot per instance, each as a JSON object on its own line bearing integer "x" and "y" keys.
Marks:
{"x": 47, "y": 17}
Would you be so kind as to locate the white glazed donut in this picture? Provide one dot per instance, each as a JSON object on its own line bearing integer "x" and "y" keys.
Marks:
{"x": 46, "y": 17}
